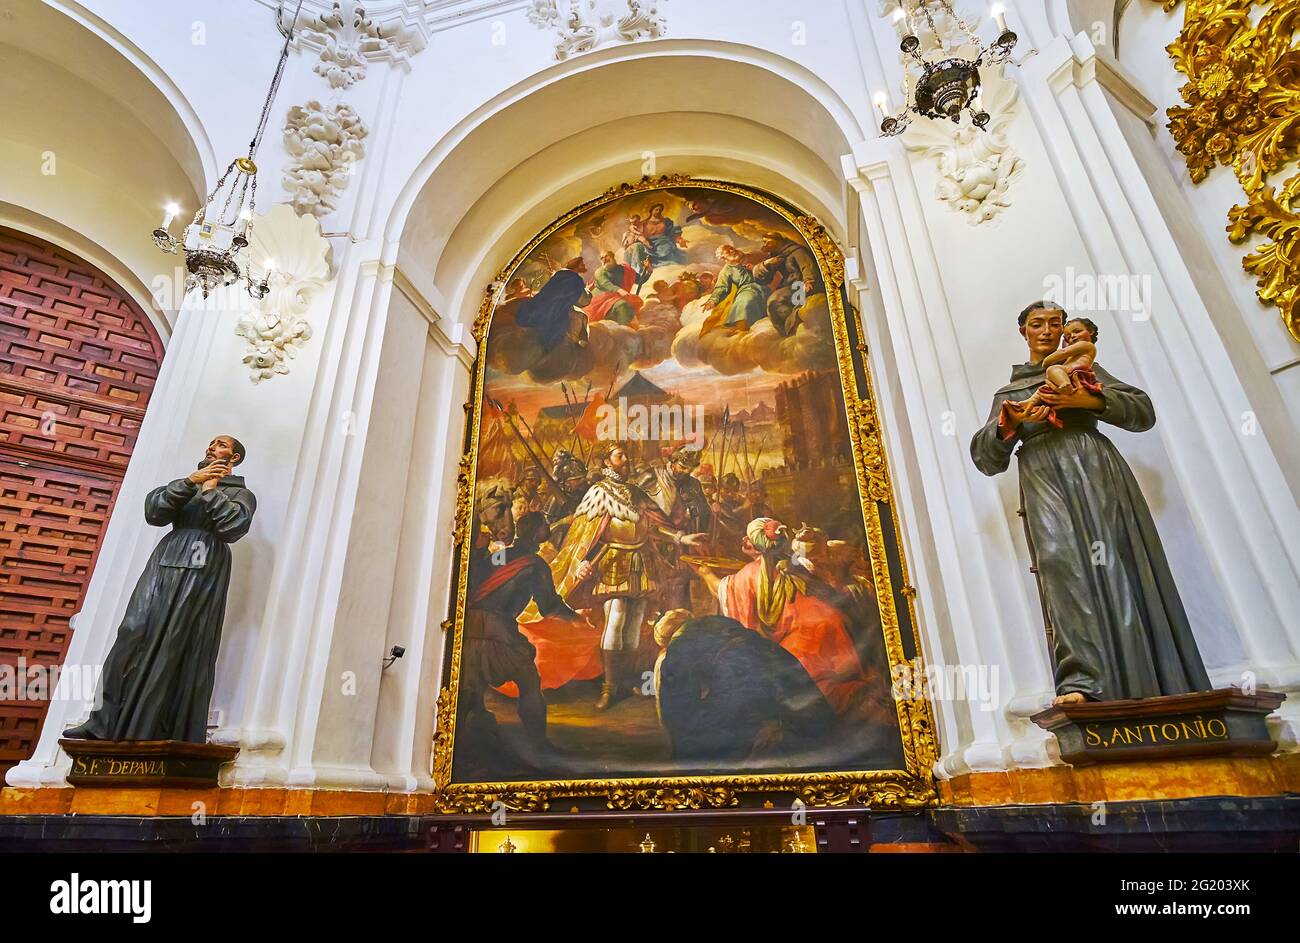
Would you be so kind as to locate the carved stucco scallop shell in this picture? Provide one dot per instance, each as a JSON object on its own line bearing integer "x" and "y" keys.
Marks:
{"x": 275, "y": 328}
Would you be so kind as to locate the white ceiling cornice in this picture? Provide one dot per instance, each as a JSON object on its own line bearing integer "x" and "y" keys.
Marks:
{"x": 426, "y": 16}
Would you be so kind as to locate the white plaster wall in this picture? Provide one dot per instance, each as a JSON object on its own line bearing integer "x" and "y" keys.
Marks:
{"x": 213, "y": 61}
{"x": 352, "y": 680}
{"x": 271, "y": 429}
{"x": 474, "y": 146}
{"x": 422, "y": 571}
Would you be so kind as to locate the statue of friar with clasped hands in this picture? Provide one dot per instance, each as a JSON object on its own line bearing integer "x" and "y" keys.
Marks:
{"x": 1119, "y": 624}
{"x": 158, "y": 677}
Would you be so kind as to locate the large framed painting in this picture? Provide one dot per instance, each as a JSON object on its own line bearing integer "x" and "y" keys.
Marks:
{"x": 678, "y": 576}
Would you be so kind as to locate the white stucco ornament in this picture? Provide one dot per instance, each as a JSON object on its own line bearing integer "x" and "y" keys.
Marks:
{"x": 347, "y": 37}
{"x": 582, "y": 25}
{"x": 325, "y": 143}
{"x": 298, "y": 257}
{"x": 976, "y": 167}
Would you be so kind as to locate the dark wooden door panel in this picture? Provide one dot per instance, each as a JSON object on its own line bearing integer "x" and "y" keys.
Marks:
{"x": 78, "y": 361}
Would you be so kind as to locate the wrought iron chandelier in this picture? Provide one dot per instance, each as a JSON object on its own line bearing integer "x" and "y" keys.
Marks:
{"x": 215, "y": 240}
{"x": 948, "y": 83}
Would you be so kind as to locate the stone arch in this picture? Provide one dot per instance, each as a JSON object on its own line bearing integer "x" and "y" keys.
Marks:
{"x": 85, "y": 107}
{"x": 1081, "y": 15}
{"x": 70, "y": 240}
{"x": 726, "y": 111}
{"x": 720, "y": 111}
{"x": 78, "y": 361}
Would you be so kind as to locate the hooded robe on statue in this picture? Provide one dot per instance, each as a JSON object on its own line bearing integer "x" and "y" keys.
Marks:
{"x": 1120, "y": 628}
{"x": 158, "y": 676}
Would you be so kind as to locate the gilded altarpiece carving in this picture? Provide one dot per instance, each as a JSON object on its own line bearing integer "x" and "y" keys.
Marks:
{"x": 1241, "y": 109}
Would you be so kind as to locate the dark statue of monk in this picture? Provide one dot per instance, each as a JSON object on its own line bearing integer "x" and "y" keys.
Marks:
{"x": 158, "y": 676}
{"x": 1120, "y": 627}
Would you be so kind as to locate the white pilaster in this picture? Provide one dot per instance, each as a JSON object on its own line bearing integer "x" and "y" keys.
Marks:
{"x": 289, "y": 668}
{"x": 422, "y": 583}
{"x": 988, "y": 612}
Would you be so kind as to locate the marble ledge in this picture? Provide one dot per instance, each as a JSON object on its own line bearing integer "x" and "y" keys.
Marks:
{"x": 1274, "y": 775}
{"x": 214, "y": 802}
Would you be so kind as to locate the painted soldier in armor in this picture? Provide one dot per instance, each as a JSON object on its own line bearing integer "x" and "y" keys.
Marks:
{"x": 756, "y": 501}
{"x": 732, "y": 515}
{"x": 681, "y": 498}
{"x": 609, "y": 560}
{"x": 528, "y": 495}
{"x": 570, "y": 474}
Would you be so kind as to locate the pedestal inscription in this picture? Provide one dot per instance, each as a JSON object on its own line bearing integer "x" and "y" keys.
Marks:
{"x": 1208, "y": 723}
{"x": 137, "y": 763}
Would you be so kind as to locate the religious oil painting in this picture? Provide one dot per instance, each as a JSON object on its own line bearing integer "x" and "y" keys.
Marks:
{"x": 677, "y": 555}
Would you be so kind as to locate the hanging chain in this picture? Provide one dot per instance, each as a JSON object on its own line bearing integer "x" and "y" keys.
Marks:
{"x": 929, "y": 17}
{"x": 948, "y": 8}
{"x": 201, "y": 214}
{"x": 275, "y": 84}
{"x": 961, "y": 24}
{"x": 211, "y": 267}
{"x": 907, "y": 14}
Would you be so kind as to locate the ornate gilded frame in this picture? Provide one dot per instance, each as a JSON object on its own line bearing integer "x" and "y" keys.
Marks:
{"x": 907, "y": 788}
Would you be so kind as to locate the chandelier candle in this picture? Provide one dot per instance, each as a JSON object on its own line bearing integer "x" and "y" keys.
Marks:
{"x": 1000, "y": 14}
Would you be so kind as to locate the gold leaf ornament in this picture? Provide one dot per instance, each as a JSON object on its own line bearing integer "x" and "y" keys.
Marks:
{"x": 1241, "y": 109}
{"x": 1276, "y": 263}
{"x": 442, "y": 740}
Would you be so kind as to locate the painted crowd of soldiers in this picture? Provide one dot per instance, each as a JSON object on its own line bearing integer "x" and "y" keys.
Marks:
{"x": 625, "y": 545}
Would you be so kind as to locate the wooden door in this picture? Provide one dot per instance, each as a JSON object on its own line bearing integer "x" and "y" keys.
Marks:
{"x": 78, "y": 361}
